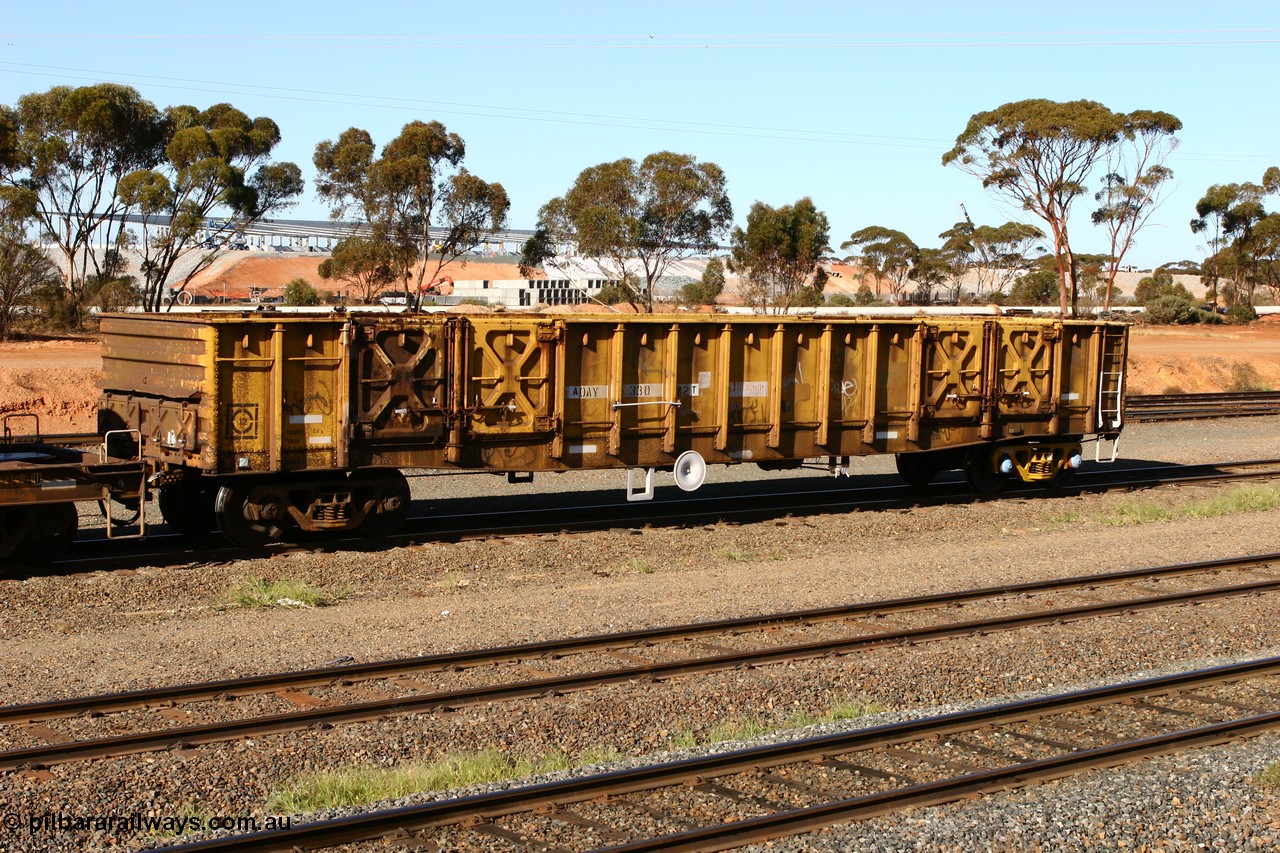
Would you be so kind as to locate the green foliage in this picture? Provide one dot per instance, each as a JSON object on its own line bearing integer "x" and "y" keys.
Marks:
{"x": 932, "y": 269}
{"x": 664, "y": 208}
{"x": 865, "y": 297}
{"x": 1172, "y": 310}
{"x": 1241, "y": 314}
{"x": 417, "y": 184}
{"x": 1243, "y": 236}
{"x": 778, "y": 254}
{"x": 24, "y": 272}
{"x": 535, "y": 251}
{"x": 1268, "y": 778}
{"x": 1159, "y": 283}
{"x": 55, "y": 309}
{"x": 116, "y": 294}
{"x": 1254, "y": 498}
{"x": 217, "y": 159}
{"x": 355, "y": 786}
{"x": 612, "y": 294}
{"x": 745, "y": 728}
{"x": 708, "y": 289}
{"x": 299, "y": 291}
{"x": 1037, "y": 287}
{"x": 840, "y": 300}
{"x": 366, "y": 264}
{"x": 255, "y": 592}
{"x": 713, "y": 276}
{"x": 79, "y": 159}
{"x": 63, "y": 152}
{"x": 886, "y": 254}
{"x": 1039, "y": 153}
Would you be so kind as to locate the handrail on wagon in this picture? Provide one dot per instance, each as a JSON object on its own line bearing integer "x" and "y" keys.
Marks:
{"x": 673, "y": 403}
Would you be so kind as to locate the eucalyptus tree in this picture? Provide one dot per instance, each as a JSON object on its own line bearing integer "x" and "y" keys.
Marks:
{"x": 1232, "y": 214}
{"x": 1039, "y": 154}
{"x": 416, "y": 194}
{"x": 62, "y": 153}
{"x": 1131, "y": 189}
{"x": 365, "y": 263}
{"x": 933, "y": 269}
{"x": 957, "y": 253}
{"x": 708, "y": 288}
{"x": 778, "y": 252}
{"x": 24, "y": 270}
{"x": 1266, "y": 252}
{"x": 1002, "y": 253}
{"x": 887, "y": 255}
{"x": 651, "y": 213}
{"x": 216, "y": 161}
{"x": 1158, "y": 285}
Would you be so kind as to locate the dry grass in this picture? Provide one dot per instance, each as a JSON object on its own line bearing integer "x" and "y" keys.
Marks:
{"x": 255, "y": 592}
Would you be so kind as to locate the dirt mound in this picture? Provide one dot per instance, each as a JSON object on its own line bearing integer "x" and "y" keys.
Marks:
{"x": 65, "y": 399}
{"x": 1199, "y": 359}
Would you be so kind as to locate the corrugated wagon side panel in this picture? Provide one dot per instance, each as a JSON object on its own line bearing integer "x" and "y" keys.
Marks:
{"x": 158, "y": 378}
{"x": 281, "y": 394}
{"x": 402, "y": 395}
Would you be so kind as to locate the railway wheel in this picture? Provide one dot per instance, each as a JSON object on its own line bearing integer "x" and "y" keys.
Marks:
{"x": 245, "y": 521}
{"x": 389, "y": 504}
{"x": 52, "y": 530}
{"x": 917, "y": 469}
{"x": 981, "y": 473}
{"x": 188, "y": 508}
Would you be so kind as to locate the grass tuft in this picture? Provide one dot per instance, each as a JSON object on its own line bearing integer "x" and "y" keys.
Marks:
{"x": 354, "y": 786}
{"x": 256, "y": 592}
{"x": 639, "y": 566}
{"x": 1244, "y": 499}
{"x": 1269, "y": 777}
{"x": 744, "y": 728}
{"x": 1245, "y": 377}
{"x": 734, "y": 554}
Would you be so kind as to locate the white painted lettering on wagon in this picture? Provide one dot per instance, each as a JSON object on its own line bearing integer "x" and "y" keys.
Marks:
{"x": 687, "y": 390}
{"x": 320, "y": 439}
{"x": 306, "y": 419}
{"x": 587, "y": 392}
{"x": 748, "y": 389}
{"x": 582, "y": 448}
{"x": 891, "y": 433}
{"x": 1071, "y": 396}
{"x": 642, "y": 390}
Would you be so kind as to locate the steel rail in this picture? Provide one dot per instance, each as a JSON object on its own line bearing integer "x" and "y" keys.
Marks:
{"x": 1150, "y": 408}
{"x": 160, "y": 550}
{"x": 256, "y": 684}
{"x": 185, "y": 736}
{"x": 554, "y": 795}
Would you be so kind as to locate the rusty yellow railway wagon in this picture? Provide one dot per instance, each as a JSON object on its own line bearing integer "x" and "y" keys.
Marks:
{"x": 271, "y": 421}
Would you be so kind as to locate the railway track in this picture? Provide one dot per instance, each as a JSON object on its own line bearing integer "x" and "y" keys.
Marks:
{"x": 186, "y": 716}
{"x": 1150, "y": 408}
{"x": 544, "y": 514}
{"x": 756, "y": 794}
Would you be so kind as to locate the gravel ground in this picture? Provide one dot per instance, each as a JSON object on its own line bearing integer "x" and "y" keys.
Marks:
{"x": 66, "y": 636}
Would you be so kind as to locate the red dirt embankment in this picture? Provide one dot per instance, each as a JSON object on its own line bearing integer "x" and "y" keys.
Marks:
{"x": 59, "y": 380}
{"x": 55, "y": 380}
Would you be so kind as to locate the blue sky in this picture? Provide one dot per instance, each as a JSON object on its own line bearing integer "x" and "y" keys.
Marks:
{"x": 850, "y": 103}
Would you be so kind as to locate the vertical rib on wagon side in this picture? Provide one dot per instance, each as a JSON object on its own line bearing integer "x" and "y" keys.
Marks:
{"x": 275, "y": 420}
